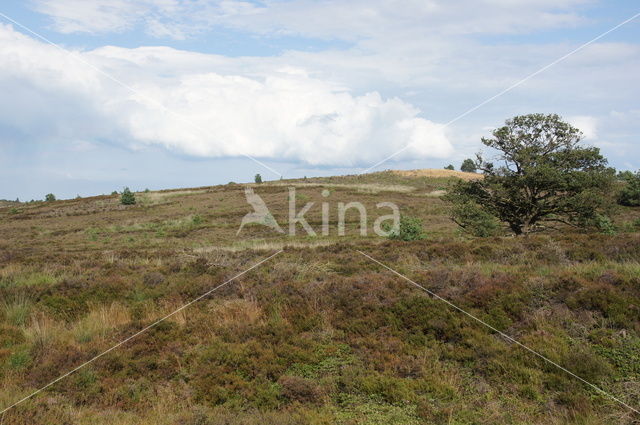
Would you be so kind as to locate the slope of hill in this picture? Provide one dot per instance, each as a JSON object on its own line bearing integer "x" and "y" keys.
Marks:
{"x": 319, "y": 333}
{"x": 431, "y": 172}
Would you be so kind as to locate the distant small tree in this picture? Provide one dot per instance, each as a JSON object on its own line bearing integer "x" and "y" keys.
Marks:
{"x": 468, "y": 166}
{"x": 450, "y": 167}
{"x": 127, "y": 197}
{"x": 544, "y": 176}
{"x": 114, "y": 193}
{"x": 50, "y": 197}
{"x": 258, "y": 178}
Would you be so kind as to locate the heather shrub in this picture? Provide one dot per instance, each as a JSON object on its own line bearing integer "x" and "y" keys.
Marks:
{"x": 153, "y": 278}
{"x": 300, "y": 389}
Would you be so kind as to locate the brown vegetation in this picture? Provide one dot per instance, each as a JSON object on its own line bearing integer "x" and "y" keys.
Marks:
{"x": 318, "y": 335}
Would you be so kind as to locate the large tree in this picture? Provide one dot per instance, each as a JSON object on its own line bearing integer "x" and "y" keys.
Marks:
{"x": 541, "y": 175}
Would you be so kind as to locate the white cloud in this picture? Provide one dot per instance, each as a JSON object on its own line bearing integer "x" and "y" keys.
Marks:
{"x": 588, "y": 125}
{"x": 329, "y": 19}
{"x": 98, "y": 16}
{"x": 271, "y": 112}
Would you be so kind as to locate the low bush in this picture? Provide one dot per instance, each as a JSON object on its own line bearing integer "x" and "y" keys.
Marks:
{"x": 410, "y": 229}
{"x": 127, "y": 197}
{"x": 300, "y": 389}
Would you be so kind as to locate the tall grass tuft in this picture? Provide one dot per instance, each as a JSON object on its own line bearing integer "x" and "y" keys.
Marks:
{"x": 16, "y": 312}
{"x": 99, "y": 321}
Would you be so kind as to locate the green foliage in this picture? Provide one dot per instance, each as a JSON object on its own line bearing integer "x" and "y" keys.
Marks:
{"x": 258, "y": 178}
{"x": 468, "y": 166}
{"x": 545, "y": 177}
{"x": 630, "y": 194}
{"x": 625, "y": 356}
{"x": 19, "y": 359}
{"x": 410, "y": 229}
{"x": 17, "y": 311}
{"x": 450, "y": 167}
{"x": 196, "y": 220}
{"x": 50, "y": 197}
{"x": 604, "y": 224}
{"x": 127, "y": 197}
{"x": 474, "y": 220}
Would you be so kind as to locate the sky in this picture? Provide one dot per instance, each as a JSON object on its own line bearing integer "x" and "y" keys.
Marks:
{"x": 96, "y": 95}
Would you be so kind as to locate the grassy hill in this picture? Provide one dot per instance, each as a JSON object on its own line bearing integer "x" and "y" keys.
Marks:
{"x": 319, "y": 333}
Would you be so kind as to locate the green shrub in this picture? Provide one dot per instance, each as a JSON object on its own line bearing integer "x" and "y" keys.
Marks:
{"x": 19, "y": 359}
{"x": 258, "y": 178}
{"x": 604, "y": 224}
{"x": 630, "y": 195}
{"x": 50, "y": 197}
{"x": 127, "y": 197}
{"x": 474, "y": 220}
{"x": 450, "y": 167}
{"x": 410, "y": 229}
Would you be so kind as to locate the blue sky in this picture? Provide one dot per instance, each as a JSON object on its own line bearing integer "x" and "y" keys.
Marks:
{"x": 174, "y": 93}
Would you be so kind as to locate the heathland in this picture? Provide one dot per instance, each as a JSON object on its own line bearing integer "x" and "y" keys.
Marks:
{"x": 320, "y": 333}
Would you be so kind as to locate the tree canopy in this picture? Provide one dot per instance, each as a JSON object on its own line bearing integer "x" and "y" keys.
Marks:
{"x": 541, "y": 175}
{"x": 630, "y": 193}
{"x": 468, "y": 166}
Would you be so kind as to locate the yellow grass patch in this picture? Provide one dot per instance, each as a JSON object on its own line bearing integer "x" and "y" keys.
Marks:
{"x": 100, "y": 320}
{"x": 433, "y": 172}
{"x": 236, "y": 312}
{"x": 362, "y": 188}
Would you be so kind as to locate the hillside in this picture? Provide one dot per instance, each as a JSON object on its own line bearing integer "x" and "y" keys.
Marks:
{"x": 319, "y": 333}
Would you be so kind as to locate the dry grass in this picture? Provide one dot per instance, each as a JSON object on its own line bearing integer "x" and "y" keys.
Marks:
{"x": 370, "y": 188}
{"x": 43, "y": 331}
{"x": 16, "y": 311}
{"x": 99, "y": 321}
{"x": 180, "y": 317}
{"x": 236, "y": 312}
{"x": 262, "y": 245}
{"x": 320, "y": 311}
{"x": 437, "y": 173}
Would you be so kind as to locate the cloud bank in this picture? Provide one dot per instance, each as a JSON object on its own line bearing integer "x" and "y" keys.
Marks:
{"x": 353, "y": 20}
{"x": 202, "y": 105}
